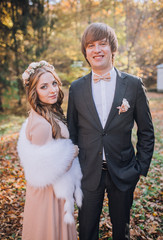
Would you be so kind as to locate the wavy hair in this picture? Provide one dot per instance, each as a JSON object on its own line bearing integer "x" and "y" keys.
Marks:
{"x": 50, "y": 112}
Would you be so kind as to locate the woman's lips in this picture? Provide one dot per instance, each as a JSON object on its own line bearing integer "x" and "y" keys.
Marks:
{"x": 53, "y": 96}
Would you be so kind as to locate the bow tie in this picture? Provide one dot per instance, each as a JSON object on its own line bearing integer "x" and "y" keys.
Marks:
{"x": 97, "y": 78}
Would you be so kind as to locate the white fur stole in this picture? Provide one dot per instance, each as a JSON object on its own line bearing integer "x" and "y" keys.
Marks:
{"x": 45, "y": 165}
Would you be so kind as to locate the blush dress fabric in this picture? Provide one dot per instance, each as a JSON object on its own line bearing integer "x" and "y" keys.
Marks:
{"x": 43, "y": 211}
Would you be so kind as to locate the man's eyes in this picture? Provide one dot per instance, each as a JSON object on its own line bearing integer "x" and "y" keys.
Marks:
{"x": 100, "y": 44}
{"x": 103, "y": 43}
{"x": 90, "y": 45}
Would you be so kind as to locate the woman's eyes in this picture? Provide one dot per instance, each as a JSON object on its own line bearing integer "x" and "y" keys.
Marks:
{"x": 54, "y": 83}
{"x": 46, "y": 85}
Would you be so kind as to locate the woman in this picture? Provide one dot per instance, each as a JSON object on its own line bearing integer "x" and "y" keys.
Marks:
{"x": 49, "y": 159}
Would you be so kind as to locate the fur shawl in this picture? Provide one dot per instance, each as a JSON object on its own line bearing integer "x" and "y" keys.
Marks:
{"x": 45, "y": 165}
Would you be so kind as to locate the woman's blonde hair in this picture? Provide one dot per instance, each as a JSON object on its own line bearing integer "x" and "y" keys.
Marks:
{"x": 50, "y": 112}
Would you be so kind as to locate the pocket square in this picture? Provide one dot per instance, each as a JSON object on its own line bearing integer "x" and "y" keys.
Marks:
{"x": 124, "y": 107}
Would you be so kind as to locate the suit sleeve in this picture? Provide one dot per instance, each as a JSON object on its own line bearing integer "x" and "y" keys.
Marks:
{"x": 145, "y": 130}
{"x": 72, "y": 118}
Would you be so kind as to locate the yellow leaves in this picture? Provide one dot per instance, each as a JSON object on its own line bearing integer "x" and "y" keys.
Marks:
{"x": 6, "y": 138}
{"x": 155, "y": 214}
{"x": 146, "y": 212}
{"x": 12, "y": 189}
{"x": 137, "y": 193}
{"x": 153, "y": 227}
{"x": 6, "y": 18}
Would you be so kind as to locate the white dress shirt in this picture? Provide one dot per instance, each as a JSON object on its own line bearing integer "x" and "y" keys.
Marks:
{"x": 103, "y": 94}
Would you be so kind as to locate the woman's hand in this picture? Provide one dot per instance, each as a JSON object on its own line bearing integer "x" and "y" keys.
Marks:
{"x": 76, "y": 151}
{"x": 75, "y": 155}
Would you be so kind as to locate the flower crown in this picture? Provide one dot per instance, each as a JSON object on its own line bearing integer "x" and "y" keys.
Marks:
{"x": 31, "y": 69}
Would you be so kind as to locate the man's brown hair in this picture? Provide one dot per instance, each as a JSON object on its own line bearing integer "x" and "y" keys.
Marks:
{"x": 98, "y": 31}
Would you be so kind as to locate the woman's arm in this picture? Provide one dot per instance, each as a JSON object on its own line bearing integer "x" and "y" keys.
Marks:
{"x": 44, "y": 164}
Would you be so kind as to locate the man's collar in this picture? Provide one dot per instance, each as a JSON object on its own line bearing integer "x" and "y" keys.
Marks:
{"x": 112, "y": 73}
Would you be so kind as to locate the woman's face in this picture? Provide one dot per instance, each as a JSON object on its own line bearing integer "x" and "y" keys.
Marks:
{"x": 47, "y": 88}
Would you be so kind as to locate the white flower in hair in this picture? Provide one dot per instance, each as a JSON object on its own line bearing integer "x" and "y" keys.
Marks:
{"x": 25, "y": 75}
{"x": 33, "y": 65}
{"x": 31, "y": 69}
{"x": 43, "y": 62}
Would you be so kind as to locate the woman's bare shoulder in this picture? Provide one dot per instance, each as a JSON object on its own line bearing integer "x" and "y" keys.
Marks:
{"x": 39, "y": 130}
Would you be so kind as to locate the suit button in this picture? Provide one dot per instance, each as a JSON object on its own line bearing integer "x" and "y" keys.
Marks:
{"x": 100, "y": 153}
{"x": 104, "y": 134}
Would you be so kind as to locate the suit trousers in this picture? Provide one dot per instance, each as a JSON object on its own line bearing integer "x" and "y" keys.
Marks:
{"x": 119, "y": 209}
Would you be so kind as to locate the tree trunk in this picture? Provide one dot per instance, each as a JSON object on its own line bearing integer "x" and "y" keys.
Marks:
{"x": 1, "y": 106}
{"x": 14, "y": 29}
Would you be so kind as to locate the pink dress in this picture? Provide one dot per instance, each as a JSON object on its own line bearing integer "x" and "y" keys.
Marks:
{"x": 43, "y": 212}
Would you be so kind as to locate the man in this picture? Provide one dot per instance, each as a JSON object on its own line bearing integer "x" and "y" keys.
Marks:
{"x": 102, "y": 108}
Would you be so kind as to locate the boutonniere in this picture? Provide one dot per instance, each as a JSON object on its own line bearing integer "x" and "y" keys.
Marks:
{"x": 124, "y": 107}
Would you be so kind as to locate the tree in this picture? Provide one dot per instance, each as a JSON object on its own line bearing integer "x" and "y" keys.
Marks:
{"x": 25, "y": 29}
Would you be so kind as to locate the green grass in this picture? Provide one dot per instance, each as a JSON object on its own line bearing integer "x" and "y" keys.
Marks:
{"x": 10, "y": 124}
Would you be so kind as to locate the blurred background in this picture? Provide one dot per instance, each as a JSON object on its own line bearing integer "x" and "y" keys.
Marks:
{"x": 34, "y": 30}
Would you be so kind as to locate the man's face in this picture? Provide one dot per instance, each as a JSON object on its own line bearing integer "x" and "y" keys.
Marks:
{"x": 99, "y": 56}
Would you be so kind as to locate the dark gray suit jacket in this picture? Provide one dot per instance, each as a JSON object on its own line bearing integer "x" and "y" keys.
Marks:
{"x": 87, "y": 132}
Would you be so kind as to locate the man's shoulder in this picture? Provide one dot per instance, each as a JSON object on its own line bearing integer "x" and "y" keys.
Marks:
{"x": 128, "y": 75}
{"x": 80, "y": 81}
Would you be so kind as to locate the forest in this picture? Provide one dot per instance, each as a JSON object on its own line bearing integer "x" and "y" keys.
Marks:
{"x": 51, "y": 30}
{"x": 33, "y": 30}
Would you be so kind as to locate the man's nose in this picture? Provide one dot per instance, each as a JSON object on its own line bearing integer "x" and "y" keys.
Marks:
{"x": 97, "y": 48}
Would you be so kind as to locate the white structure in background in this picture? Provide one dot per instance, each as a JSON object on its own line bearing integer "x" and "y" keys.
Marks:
{"x": 160, "y": 78}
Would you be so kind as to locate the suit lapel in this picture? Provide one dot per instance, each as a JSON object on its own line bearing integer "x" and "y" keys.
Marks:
{"x": 87, "y": 93}
{"x": 121, "y": 84}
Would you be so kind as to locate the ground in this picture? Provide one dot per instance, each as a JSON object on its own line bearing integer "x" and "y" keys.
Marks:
{"x": 146, "y": 212}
